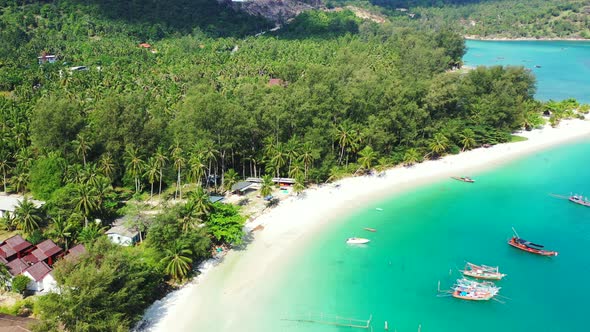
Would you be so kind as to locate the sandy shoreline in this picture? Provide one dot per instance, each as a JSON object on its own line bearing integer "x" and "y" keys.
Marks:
{"x": 473, "y": 37}
{"x": 223, "y": 297}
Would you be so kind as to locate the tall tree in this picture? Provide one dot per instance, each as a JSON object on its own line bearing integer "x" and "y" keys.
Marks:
{"x": 151, "y": 170}
{"x": 230, "y": 178}
{"x": 135, "y": 165}
{"x": 82, "y": 147}
{"x": 160, "y": 159}
{"x": 106, "y": 165}
{"x": 179, "y": 163}
{"x": 177, "y": 261}
{"x": 266, "y": 185}
{"x": 85, "y": 200}
{"x": 367, "y": 158}
{"x": 27, "y": 216}
{"x": 438, "y": 144}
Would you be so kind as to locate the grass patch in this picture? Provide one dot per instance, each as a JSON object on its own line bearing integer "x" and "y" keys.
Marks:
{"x": 516, "y": 138}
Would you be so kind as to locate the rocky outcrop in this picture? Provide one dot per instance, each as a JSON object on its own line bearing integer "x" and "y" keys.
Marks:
{"x": 278, "y": 11}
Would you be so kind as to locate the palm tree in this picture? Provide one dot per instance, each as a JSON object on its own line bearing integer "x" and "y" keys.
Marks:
{"x": 189, "y": 217}
{"x": 27, "y": 216}
{"x": 292, "y": 150}
{"x": 411, "y": 157}
{"x": 134, "y": 164}
{"x": 90, "y": 233}
{"x": 279, "y": 158}
{"x": 82, "y": 147}
{"x": 296, "y": 170}
{"x": 61, "y": 232}
{"x": 177, "y": 261}
{"x": 201, "y": 201}
{"x": 266, "y": 185}
{"x": 5, "y": 277}
{"x": 4, "y": 166}
{"x": 106, "y": 165}
{"x": 8, "y": 222}
{"x": 179, "y": 162}
{"x": 196, "y": 168}
{"x": 307, "y": 156}
{"x": 210, "y": 155}
{"x": 367, "y": 157}
{"x": 438, "y": 144}
{"x": 344, "y": 138}
{"x": 85, "y": 200}
{"x": 160, "y": 160}
{"x": 20, "y": 181}
{"x": 467, "y": 139}
{"x": 230, "y": 178}
{"x": 299, "y": 185}
{"x": 151, "y": 170}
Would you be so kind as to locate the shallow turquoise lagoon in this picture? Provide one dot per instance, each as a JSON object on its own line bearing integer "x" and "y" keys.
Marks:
{"x": 564, "y": 65}
{"x": 425, "y": 236}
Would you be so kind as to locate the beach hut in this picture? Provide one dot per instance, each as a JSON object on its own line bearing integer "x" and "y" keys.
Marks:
{"x": 122, "y": 234}
{"x": 242, "y": 187}
{"x": 41, "y": 278}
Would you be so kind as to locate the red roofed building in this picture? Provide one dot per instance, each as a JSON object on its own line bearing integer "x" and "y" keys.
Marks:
{"x": 145, "y": 45}
{"x": 15, "y": 245}
{"x": 41, "y": 277}
{"x": 46, "y": 251}
{"x": 74, "y": 253}
{"x": 17, "y": 267}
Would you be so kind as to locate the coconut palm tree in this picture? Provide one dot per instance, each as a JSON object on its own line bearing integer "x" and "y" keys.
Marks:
{"x": 438, "y": 144}
{"x": 106, "y": 165}
{"x": 151, "y": 170}
{"x": 344, "y": 137}
{"x": 177, "y": 261}
{"x": 82, "y": 147}
{"x": 266, "y": 185}
{"x": 189, "y": 217}
{"x": 299, "y": 185}
{"x": 230, "y": 178}
{"x": 307, "y": 156}
{"x": 179, "y": 162}
{"x": 296, "y": 170}
{"x": 61, "y": 231}
{"x": 279, "y": 158}
{"x": 85, "y": 200}
{"x": 196, "y": 168}
{"x": 292, "y": 150}
{"x": 411, "y": 157}
{"x": 20, "y": 180}
{"x": 367, "y": 158}
{"x": 201, "y": 200}
{"x": 160, "y": 160}
{"x": 467, "y": 139}
{"x": 134, "y": 165}
{"x": 4, "y": 166}
{"x": 90, "y": 233}
{"x": 27, "y": 216}
{"x": 8, "y": 222}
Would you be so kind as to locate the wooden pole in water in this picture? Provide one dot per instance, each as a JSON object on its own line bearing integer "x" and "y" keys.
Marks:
{"x": 386, "y": 326}
{"x": 419, "y": 327}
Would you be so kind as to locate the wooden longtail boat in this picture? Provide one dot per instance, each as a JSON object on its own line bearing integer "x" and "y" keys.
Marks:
{"x": 579, "y": 200}
{"x": 525, "y": 245}
{"x": 463, "y": 178}
{"x": 474, "y": 291}
{"x": 482, "y": 272}
{"x": 370, "y": 229}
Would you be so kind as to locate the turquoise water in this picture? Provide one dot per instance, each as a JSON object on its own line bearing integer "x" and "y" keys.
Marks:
{"x": 565, "y": 65}
{"x": 424, "y": 236}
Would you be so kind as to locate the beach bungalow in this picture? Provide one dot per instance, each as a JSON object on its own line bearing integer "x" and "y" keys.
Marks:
{"x": 215, "y": 199}
{"x": 46, "y": 251}
{"x": 122, "y": 234}
{"x": 14, "y": 247}
{"x": 41, "y": 278}
{"x": 242, "y": 187}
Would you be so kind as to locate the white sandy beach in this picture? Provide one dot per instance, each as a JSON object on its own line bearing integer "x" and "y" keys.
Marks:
{"x": 222, "y": 297}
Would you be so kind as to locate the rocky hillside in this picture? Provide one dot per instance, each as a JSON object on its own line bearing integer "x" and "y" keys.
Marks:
{"x": 277, "y": 11}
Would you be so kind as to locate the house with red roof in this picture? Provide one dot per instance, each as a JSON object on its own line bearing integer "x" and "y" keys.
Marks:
{"x": 17, "y": 266}
{"x": 14, "y": 247}
{"x": 41, "y": 278}
{"x": 277, "y": 82}
{"x": 75, "y": 253}
{"x": 46, "y": 251}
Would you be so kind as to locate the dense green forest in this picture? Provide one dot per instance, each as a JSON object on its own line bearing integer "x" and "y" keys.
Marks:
{"x": 194, "y": 111}
{"x": 489, "y": 19}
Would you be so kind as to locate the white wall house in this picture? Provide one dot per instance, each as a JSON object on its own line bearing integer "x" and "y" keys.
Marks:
{"x": 122, "y": 234}
{"x": 41, "y": 277}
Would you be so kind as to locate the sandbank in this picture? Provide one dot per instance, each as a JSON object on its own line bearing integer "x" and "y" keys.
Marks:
{"x": 226, "y": 297}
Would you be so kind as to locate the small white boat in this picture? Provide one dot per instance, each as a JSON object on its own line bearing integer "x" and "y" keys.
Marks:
{"x": 357, "y": 240}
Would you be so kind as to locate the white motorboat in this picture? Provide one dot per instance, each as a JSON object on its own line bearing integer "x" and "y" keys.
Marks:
{"x": 357, "y": 240}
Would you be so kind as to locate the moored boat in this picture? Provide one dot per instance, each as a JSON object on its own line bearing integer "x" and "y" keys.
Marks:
{"x": 579, "y": 200}
{"x": 370, "y": 229}
{"x": 357, "y": 240}
{"x": 474, "y": 291}
{"x": 482, "y": 272}
{"x": 528, "y": 246}
{"x": 463, "y": 178}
